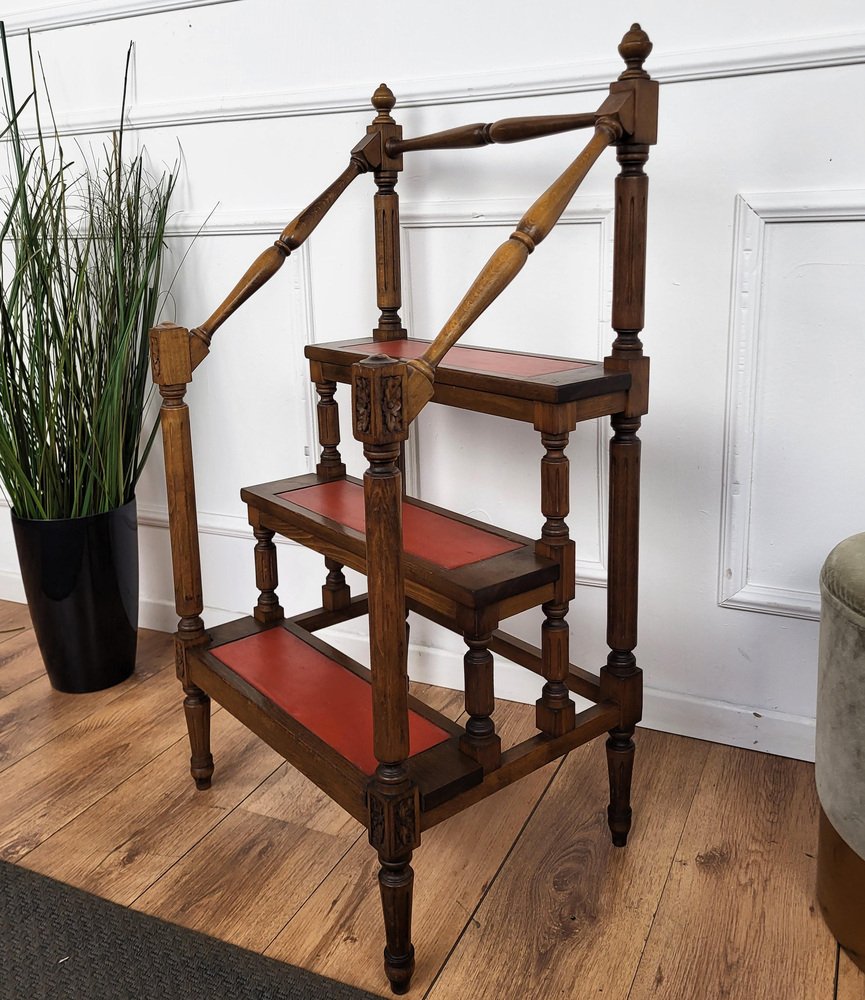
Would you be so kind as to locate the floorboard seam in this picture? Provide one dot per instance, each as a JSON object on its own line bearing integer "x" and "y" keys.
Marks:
{"x": 498, "y": 871}
{"x": 223, "y": 818}
{"x": 837, "y": 970}
{"x": 324, "y": 878}
{"x": 697, "y": 785}
{"x": 110, "y": 791}
{"x": 4, "y": 770}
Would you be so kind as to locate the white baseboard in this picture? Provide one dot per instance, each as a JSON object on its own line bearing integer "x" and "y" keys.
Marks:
{"x": 667, "y": 711}
{"x": 11, "y": 587}
{"x": 733, "y": 725}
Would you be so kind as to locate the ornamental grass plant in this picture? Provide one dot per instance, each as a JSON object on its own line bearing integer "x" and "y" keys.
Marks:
{"x": 80, "y": 268}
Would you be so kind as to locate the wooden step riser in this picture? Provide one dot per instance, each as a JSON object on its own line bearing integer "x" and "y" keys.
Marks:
{"x": 352, "y": 553}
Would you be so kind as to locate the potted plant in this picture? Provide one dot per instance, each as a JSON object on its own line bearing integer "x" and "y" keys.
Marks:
{"x": 80, "y": 264}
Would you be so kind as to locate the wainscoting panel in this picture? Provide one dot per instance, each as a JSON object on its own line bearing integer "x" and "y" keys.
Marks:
{"x": 794, "y": 482}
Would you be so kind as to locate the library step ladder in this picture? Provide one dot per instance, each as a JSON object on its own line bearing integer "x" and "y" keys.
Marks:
{"x": 392, "y": 762}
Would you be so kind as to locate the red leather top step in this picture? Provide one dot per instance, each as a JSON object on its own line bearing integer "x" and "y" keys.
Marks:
{"x": 427, "y": 535}
{"x": 473, "y": 359}
{"x": 322, "y": 695}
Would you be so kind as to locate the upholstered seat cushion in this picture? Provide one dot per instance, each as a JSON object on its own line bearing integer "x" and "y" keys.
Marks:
{"x": 841, "y": 692}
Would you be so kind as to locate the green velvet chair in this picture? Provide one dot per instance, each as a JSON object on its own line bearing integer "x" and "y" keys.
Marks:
{"x": 841, "y": 746}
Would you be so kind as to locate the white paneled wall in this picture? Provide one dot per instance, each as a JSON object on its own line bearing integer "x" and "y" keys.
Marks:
{"x": 753, "y": 464}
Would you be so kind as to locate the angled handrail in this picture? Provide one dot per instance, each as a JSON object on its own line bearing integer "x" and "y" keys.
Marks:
{"x": 507, "y": 261}
{"x": 365, "y": 156}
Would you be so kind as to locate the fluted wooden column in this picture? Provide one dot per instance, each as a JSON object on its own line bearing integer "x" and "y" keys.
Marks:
{"x": 555, "y": 711}
{"x": 378, "y": 391}
{"x": 171, "y": 366}
{"x": 621, "y": 678}
{"x": 387, "y": 233}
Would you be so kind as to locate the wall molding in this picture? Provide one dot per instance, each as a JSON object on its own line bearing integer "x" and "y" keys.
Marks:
{"x": 232, "y": 222}
{"x": 582, "y": 210}
{"x": 753, "y": 213}
{"x": 269, "y": 223}
{"x": 691, "y": 66}
{"x": 50, "y": 17}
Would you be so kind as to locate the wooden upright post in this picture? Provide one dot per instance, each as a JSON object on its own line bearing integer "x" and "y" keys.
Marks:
{"x": 378, "y": 391}
{"x": 621, "y": 679}
{"x": 171, "y": 365}
{"x": 555, "y": 712}
{"x": 386, "y": 203}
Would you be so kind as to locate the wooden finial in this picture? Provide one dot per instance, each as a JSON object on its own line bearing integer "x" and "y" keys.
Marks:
{"x": 383, "y": 101}
{"x": 634, "y": 49}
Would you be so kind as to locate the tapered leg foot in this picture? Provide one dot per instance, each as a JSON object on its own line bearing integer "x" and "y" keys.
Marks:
{"x": 196, "y": 706}
{"x": 396, "y": 881}
{"x": 620, "y": 761}
{"x": 399, "y": 971}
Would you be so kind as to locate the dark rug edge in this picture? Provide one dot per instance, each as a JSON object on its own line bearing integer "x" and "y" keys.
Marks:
{"x": 59, "y": 941}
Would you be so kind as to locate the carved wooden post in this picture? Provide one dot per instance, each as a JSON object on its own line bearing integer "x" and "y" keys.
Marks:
{"x": 268, "y": 608}
{"x": 481, "y": 741}
{"x": 386, "y": 204}
{"x": 555, "y": 712}
{"x": 378, "y": 391}
{"x": 335, "y": 594}
{"x": 621, "y": 678}
{"x": 171, "y": 365}
{"x": 330, "y": 463}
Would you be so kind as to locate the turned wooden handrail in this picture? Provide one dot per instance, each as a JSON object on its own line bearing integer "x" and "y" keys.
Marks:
{"x": 365, "y": 156}
{"x": 502, "y": 131}
{"x": 507, "y": 261}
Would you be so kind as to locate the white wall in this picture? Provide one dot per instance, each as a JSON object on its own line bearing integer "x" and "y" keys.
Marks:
{"x": 752, "y": 457}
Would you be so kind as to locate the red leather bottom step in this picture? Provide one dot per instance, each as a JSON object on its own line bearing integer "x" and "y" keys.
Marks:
{"x": 320, "y": 693}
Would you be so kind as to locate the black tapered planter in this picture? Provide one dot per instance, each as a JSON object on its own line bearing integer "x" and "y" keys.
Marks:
{"x": 80, "y": 576}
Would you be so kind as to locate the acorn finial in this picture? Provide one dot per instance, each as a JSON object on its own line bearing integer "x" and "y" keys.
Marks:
{"x": 634, "y": 49}
{"x": 383, "y": 100}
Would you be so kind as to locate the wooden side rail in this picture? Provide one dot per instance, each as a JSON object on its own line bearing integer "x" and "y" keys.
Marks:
{"x": 502, "y": 131}
{"x": 365, "y": 156}
{"x": 507, "y": 261}
{"x": 582, "y": 682}
{"x": 526, "y": 757}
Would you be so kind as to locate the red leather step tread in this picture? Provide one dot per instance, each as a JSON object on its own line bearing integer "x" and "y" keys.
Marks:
{"x": 494, "y": 362}
{"x": 427, "y": 535}
{"x": 322, "y": 695}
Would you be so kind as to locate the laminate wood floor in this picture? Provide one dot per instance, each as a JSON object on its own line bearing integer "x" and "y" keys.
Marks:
{"x": 520, "y": 897}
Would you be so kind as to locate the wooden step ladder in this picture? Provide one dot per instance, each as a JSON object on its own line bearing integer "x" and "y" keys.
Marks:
{"x": 393, "y": 763}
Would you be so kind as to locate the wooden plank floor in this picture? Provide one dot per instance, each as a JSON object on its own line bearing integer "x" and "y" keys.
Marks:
{"x": 520, "y": 897}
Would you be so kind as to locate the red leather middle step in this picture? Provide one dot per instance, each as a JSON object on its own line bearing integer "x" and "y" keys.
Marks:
{"x": 440, "y": 540}
{"x": 479, "y": 359}
{"x": 321, "y": 694}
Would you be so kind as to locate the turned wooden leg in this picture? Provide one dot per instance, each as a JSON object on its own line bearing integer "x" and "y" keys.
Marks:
{"x": 336, "y": 593}
{"x": 394, "y": 831}
{"x": 196, "y": 707}
{"x": 268, "y": 608}
{"x": 555, "y": 712}
{"x": 620, "y": 761}
{"x": 481, "y": 741}
{"x": 621, "y": 678}
{"x": 396, "y": 882}
{"x": 330, "y": 465}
